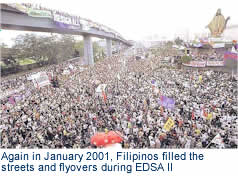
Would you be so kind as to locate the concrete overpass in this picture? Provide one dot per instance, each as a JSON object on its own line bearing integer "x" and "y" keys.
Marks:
{"x": 13, "y": 19}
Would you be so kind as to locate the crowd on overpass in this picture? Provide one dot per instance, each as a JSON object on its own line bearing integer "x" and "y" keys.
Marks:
{"x": 68, "y": 115}
{"x": 63, "y": 17}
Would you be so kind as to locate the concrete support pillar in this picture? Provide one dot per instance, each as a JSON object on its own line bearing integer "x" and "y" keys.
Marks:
{"x": 118, "y": 46}
{"x": 88, "y": 50}
{"x": 109, "y": 47}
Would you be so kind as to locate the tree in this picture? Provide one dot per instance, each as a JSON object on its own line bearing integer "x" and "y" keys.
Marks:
{"x": 97, "y": 50}
{"x": 8, "y": 56}
{"x": 55, "y": 48}
{"x": 178, "y": 41}
{"x": 78, "y": 46}
{"x": 186, "y": 59}
{"x": 65, "y": 47}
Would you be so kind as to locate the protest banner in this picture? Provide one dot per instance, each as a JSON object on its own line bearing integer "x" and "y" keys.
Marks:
{"x": 66, "y": 22}
{"x": 215, "y": 63}
{"x": 40, "y": 79}
{"x": 169, "y": 124}
{"x": 195, "y": 64}
{"x": 39, "y": 13}
{"x": 218, "y": 45}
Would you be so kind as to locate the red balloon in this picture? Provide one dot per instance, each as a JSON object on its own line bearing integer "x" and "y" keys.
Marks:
{"x": 99, "y": 139}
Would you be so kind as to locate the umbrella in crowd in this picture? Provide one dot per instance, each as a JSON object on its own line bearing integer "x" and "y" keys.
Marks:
{"x": 104, "y": 139}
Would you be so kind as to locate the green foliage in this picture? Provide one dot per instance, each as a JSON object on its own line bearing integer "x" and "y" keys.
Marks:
{"x": 97, "y": 50}
{"x": 186, "y": 59}
{"x": 178, "y": 41}
{"x": 56, "y": 48}
{"x": 26, "y": 61}
{"x": 79, "y": 47}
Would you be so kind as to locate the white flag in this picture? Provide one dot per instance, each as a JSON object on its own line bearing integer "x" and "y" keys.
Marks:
{"x": 118, "y": 76}
{"x": 218, "y": 140}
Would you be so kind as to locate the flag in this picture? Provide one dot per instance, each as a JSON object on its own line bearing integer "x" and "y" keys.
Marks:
{"x": 161, "y": 110}
{"x": 118, "y": 77}
{"x": 197, "y": 131}
{"x": 17, "y": 97}
{"x": 230, "y": 56}
{"x": 193, "y": 115}
{"x": 209, "y": 116}
{"x": 218, "y": 140}
{"x": 204, "y": 112}
{"x": 180, "y": 123}
{"x": 129, "y": 125}
{"x": 169, "y": 124}
{"x": 4, "y": 107}
{"x": 153, "y": 82}
{"x": 167, "y": 102}
{"x": 200, "y": 78}
{"x": 104, "y": 96}
{"x": 11, "y": 100}
{"x": 156, "y": 91}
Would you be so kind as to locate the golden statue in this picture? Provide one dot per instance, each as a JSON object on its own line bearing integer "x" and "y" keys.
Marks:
{"x": 218, "y": 24}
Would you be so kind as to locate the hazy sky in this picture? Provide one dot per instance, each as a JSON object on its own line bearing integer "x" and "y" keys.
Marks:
{"x": 137, "y": 19}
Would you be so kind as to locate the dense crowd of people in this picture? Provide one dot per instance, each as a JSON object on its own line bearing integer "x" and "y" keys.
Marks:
{"x": 208, "y": 57}
{"x": 67, "y": 115}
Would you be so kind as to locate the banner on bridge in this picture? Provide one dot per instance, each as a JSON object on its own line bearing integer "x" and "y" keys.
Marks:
{"x": 215, "y": 63}
{"x": 66, "y": 22}
{"x": 196, "y": 64}
{"x": 39, "y": 13}
{"x": 205, "y": 63}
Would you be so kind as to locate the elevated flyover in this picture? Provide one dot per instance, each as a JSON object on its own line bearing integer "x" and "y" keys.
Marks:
{"x": 13, "y": 19}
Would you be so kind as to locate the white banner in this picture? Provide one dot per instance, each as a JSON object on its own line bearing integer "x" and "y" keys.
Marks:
{"x": 66, "y": 72}
{"x": 215, "y": 63}
{"x": 196, "y": 64}
{"x": 62, "y": 19}
{"x": 40, "y": 79}
{"x": 218, "y": 45}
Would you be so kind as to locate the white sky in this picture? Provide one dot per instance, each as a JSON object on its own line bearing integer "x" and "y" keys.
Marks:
{"x": 137, "y": 19}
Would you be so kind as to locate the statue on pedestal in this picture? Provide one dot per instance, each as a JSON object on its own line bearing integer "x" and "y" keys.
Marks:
{"x": 218, "y": 24}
